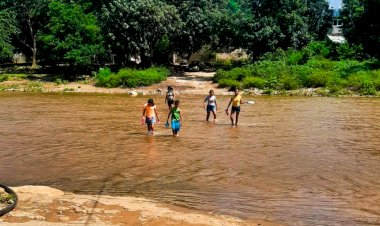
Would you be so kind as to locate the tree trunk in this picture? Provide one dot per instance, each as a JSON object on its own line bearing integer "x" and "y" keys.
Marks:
{"x": 34, "y": 47}
{"x": 34, "y": 59}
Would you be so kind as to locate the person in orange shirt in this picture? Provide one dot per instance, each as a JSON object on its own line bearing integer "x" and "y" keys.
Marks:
{"x": 150, "y": 115}
{"x": 235, "y": 101}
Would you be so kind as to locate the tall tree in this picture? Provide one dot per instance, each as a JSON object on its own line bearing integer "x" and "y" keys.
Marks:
{"x": 135, "y": 27}
{"x": 72, "y": 35}
{"x": 31, "y": 17}
{"x": 8, "y": 29}
{"x": 202, "y": 19}
{"x": 361, "y": 24}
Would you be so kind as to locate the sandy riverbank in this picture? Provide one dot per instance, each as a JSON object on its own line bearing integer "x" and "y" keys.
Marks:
{"x": 45, "y": 206}
{"x": 187, "y": 83}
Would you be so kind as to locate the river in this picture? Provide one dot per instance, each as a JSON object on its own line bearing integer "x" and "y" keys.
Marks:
{"x": 294, "y": 160}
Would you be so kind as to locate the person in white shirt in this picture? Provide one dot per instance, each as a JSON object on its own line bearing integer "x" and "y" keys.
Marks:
{"x": 211, "y": 105}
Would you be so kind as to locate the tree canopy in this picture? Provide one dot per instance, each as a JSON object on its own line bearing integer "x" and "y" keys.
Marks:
{"x": 77, "y": 32}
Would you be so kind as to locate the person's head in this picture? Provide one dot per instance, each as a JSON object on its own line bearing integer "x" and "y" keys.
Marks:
{"x": 236, "y": 91}
{"x": 211, "y": 92}
{"x": 151, "y": 102}
{"x": 176, "y": 103}
{"x": 170, "y": 88}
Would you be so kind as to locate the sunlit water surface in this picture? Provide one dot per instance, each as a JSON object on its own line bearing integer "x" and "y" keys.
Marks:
{"x": 298, "y": 161}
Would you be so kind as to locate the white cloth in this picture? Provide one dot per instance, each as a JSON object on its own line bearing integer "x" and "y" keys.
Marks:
{"x": 210, "y": 100}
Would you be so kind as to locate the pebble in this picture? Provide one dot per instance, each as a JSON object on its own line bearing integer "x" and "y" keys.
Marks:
{"x": 79, "y": 210}
{"x": 133, "y": 93}
{"x": 39, "y": 218}
{"x": 63, "y": 218}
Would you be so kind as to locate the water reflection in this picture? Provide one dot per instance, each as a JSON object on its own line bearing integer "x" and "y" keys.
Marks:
{"x": 300, "y": 161}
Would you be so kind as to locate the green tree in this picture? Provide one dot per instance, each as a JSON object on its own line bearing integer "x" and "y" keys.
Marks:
{"x": 136, "y": 27}
{"x": 202, "y": 20}
{"x": 7, "y": 28}
{"x": 72, "y": 35}
{"x": 272, "y": 24}
{"x": 361, "y": 24}
{"x": 31, "y": 16}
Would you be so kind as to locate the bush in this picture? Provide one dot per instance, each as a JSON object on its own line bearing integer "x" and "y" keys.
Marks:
{"x": 289, "y": 83}
{"x": 320, "y": 78}
{"x": 103, "y": 78}
{"x": 316, "y": 49}
{"x": 229, "y": 83}
{"x": 238, "y": 73}
{"x": 4, "y": 78}
{"x": 254, "y": 82}
{"x": 131, "y": 77}
{"x": 362, "y": 82}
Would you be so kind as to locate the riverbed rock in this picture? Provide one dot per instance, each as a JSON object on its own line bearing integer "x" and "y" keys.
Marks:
{"x": 133, "y": 93}
{"x": 64, "y": 218}
{"x": 39, "y": 218}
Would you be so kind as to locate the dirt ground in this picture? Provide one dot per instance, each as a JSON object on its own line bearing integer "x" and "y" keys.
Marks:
{"x": 45, "y": 206}
{"x": 187, "y": 83}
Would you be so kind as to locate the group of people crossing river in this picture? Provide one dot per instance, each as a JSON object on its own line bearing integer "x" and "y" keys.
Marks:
{"x": 150, "y": 115}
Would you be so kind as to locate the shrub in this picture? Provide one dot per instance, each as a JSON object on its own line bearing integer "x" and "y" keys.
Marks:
{"x": 319, "y": 78}
{"x": 60, "y": 81}
{"x": 316, "y": 49}
{"x": 238, "y": 73}
{"x": 103, "y": 78}
{"x": 295, "y": 57}
{"x": 131, "y": 77}
{"x": 254, "y": 82}
{"x": 34, "y": 87}
{"x": 347, "y": 51}
{"x": 362, "y": 82}
{"x": 229, "y": 83}
{"x": 4, "y": 78}
{"x": 289, "y": 83}
{"x": 302, "y": 73}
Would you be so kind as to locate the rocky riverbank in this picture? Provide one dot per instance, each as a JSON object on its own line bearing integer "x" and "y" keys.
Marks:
{"x": 45, "y": 206}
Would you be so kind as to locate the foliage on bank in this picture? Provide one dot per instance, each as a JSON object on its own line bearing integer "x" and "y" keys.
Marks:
{"x": 314, "y": 66}
{"x": 130, "y": 77}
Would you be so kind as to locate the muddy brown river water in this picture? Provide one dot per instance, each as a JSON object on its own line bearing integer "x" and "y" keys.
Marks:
{"x": 298, "y": 161}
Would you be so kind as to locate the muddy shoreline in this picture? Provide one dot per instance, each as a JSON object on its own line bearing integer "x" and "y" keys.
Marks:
{"x": 45, "y": 206}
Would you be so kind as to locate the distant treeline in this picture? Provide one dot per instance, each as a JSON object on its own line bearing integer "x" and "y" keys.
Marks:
{"x": 80, "y": 32}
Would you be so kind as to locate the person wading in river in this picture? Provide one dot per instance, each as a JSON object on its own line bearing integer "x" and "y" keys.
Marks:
{"x": 170, "y": 97}
{"x": 211, "y": 105}
{"x": 150, "y": 115}
{"x": 175, "y": 112}
{"x": 236, "y": 100}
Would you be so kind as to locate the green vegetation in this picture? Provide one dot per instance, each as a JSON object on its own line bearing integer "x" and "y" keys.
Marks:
{"x": 6, "y": 198}
{"x": 283, "y": 40}
{"x": 307, "y": 68}
{"x": 131, "y": 77}
{"x": 33, "y": 87}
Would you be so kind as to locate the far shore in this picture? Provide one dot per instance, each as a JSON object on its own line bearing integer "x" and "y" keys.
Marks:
{"x": 189, "y": 83}
{"x": 46, "y": 206}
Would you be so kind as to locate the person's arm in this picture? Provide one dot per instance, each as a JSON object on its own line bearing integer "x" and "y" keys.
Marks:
{"x": 241, "y": 101}
{"x": 216, "y": 106}
{"x": 180, "y": 117}
{"x": 155, "y": 111}
{"x": 143, "y": 112}
{"x": 204, "y": 106}
{"x": 229, "y": 105}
